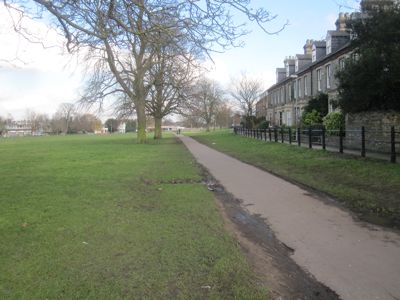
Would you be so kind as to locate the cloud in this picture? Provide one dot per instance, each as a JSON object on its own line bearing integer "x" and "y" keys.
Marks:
{"x": 33, "y": 76}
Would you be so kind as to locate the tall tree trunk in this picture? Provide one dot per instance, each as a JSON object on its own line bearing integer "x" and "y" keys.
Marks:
{"x": 140, "y": 105}
{"x": 141, "y": 121}
{"x": 157, "y": 128}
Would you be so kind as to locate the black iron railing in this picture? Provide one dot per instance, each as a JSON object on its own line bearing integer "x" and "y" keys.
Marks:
{"x": 378, "y": 144}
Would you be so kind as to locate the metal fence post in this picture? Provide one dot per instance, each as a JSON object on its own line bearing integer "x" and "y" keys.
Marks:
{"x": 341, "y": 140}
{"x": 392, "y": 145}
{"x": 363, "y": 141}
{"x": 323, "y": 138}
{"x": 276, "y": 134}
{"x": 290, "y": 135}
{"x": 270, "y": 134}
{"x": 265, "y": 134}
{"x": 309, "y": 138}
{"x": 282, "y": 138}
{"x": 298, "y": 137}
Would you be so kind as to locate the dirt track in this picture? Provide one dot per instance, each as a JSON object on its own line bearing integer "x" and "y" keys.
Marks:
{"x": 356, "y": 260}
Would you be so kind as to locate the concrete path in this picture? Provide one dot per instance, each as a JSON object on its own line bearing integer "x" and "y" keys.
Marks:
{"x": 355, "y": 260}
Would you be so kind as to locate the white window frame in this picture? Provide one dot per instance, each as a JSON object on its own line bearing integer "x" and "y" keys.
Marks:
{"x": 289, "y": 118}
{"x": 342, "y": 63}
{"x": 328, "y": 46}
{"x": 299, "y": 88}
{"x": 314, "y": 55}
{"x": 319, "y": 80}
{"x": 305, "y": 85}
{"x": 328, "y": 70}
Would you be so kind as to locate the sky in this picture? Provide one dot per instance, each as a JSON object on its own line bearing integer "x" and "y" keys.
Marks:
{"x": 40, "y": 79}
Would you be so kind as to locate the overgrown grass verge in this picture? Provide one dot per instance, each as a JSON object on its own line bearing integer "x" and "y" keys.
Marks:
{"x": 369, "y": 187}
{"x": 88, "y": 217}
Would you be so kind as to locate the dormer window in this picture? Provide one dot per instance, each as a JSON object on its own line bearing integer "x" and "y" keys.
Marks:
{"x": 314, "y": 54}
{"x": 328, "y": 46}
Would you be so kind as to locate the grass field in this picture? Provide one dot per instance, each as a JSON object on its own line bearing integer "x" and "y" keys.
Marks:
{"x": 369, "y": 187}
{"x": 88, "y": 217}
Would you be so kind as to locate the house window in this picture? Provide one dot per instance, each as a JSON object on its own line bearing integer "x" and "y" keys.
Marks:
{"x": 328, "y": 46}
{"x": 292, "y": 91}
{"x": 297, "y": 114}
{"x": 299, "y": 87}
{"x": 319, "y": 80}
{"x": 305, "y": 85}
{"x": 328, "y": 76}
{"x": 289, "y": 118}
{"x": 355, "y": 56}
{"x": 342, "y": 63}
{"x": 314, "y": 54}
{"x": 287, "y": 70}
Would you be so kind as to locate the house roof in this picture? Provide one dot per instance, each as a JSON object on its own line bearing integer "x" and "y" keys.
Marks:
{"x": 309, "y": 67}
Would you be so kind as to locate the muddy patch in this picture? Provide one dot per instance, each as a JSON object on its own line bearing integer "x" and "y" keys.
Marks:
{"x": 269, "y": 258}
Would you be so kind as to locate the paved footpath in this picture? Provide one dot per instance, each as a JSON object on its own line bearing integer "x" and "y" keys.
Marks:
{"x": 355, "y": 260}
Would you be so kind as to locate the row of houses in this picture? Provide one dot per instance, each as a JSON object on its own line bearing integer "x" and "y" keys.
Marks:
{"x": 312, "y": 72}
{"x": 21, "y": 128}
{"x": 26, "y": 128}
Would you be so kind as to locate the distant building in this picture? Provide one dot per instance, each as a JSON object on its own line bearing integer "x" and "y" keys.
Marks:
{"x": 237, "y": 118}
{"x": 122, "y": 128}
{"x": 167, "y": 128}
{"x": 21, "y": 128}
{"x": 261, "y": 105}
{"x": 103, "y": 130}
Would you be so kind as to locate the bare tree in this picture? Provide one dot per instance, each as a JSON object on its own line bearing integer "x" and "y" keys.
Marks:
{"x": 172, "y": 76}
{"x": 246, "y": 92}
{"x": 224, "y": 116}
{"x": 85, "y": 123}
{"x": 3, "y": 126}
{"x": 204, "y": 101}
{"x": 120, "y": 34}
{"x": 38, "y": 122}
{"x": 64, "y": 115}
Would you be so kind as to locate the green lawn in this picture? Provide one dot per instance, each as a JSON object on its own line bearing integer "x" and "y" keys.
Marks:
{"x": 89, "y": 217}
{"x": 369, "y": 187}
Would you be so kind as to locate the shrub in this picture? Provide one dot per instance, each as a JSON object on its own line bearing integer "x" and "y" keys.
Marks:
{"x": 311, "y": 118}
{"x": 318, "y": 103}
{"x": 334, "y": 121}
{"x": 263, "y": 125}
